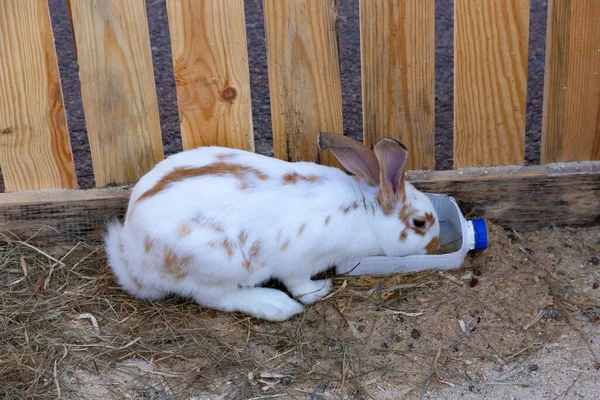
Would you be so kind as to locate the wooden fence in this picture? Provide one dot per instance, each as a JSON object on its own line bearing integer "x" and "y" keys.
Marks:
{"x": 210, "y": 58}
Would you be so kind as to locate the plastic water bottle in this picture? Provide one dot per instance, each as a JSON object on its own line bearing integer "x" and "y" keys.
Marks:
{"x": 458, "y": 236}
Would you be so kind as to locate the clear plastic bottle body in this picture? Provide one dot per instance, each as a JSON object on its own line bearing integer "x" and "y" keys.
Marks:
{"x": 458, "y": 236}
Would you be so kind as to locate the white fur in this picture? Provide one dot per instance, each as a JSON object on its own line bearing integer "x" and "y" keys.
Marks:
{"x": 271, "y": 213}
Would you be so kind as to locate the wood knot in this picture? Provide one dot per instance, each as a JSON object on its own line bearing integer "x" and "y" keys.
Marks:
{"x": 229, "y": 93}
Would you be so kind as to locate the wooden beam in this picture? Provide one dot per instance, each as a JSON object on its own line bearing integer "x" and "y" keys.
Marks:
{"x": 490, "y": 84}
{"x": 304, "y": 76}
{"x": 117, "y": 88}
{"x": 35, "y": 148}
{"x": 398, "y": 75}
{"x": 210, "y": 63}
{"x": 63, "y": 216}
{"x": 524, "y": 198}
{"x": 571, "y": 121}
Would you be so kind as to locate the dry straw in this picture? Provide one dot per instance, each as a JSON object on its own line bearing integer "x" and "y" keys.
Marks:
{"x": 67, "y": 330}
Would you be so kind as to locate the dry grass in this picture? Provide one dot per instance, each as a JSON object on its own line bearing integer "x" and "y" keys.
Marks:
{"x": 67, "y": 330}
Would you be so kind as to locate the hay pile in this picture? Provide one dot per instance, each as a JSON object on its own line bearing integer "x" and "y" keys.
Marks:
{"x": 66, "y": 328}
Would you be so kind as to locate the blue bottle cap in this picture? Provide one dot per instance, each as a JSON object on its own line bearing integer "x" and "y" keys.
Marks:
{"x": 480, "y": 230}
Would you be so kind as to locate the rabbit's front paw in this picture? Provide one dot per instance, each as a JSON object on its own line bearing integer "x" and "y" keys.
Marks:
{"x": 308, "y": 291}
{"x": 263, "y": 303}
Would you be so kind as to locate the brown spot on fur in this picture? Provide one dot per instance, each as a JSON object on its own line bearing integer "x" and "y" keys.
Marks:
{"x": 255, "y": 249}
{"x": 180, "y": 275}
{"x": 242, "y": 237}
{"x": 386, "y": 208}
{"x": 403, "y": 235}
{"x": 403, "y": 215}
{"x": 136, "y": 282}
{"x": 285, "y": 245}
{"x": 429, "y": 218}
{"x": 301, "y": 229}
{"x": 327, "y": 220}
{"x": 406, "y": 213}
{"x": 247, "y": 265}
{"x": 218, "y": 169}
{"x": 183, "y": 230}
{"x": 262, "y": 265}
{"x": 203, "y": 221}
{"x": 433, "y": 245}
{"x": 226, "y": 156}
{"x": 420, "y": 232}
{"x": 293, "y": 178}
{"x": 345, "y": 210}
{"x": 148, "y": 244}
{"x": 173, "y": 265}
{"x": 402, "y": 187}
{"x": 228, "y": 247}
{"x": 170, "y": 259}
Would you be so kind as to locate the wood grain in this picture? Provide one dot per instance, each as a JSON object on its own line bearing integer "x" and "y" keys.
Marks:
{"x": 490, "y": 83}
{"x": 398, "y": 75}
{"x": 565, "y": 195}
{"x": 35, "y": 149}
{"x": 304, "y": 76}
{"x": 64, "y": 216}
{"x": 117, "y": 88}
{"x": 210, "y": 62}
{"x": 571, "y": 121}
{"x": 569, "y": 195}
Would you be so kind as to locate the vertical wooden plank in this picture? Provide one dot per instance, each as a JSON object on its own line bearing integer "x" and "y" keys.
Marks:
{"x": 210, "y": 62}
{"x": 490, "y": 81}
{"x": 304, "y": 76}
{"x": 571, "y": 122}
{"x": 117, "y": 88}
{"x": 35, "y": 149}
{"x": 398, "y": 75}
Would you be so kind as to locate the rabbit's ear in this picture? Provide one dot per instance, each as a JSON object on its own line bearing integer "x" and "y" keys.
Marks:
{"x": 354, "y": 156}
{"x": 392, "y": 157}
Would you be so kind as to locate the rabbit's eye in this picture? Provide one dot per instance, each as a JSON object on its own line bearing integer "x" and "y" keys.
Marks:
{"x": 419, "y": 223}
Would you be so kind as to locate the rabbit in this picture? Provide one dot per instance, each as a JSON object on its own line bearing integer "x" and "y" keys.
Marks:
{"x": 214, "y": 223}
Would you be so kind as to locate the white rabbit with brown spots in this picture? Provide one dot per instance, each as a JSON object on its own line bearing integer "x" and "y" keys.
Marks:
{"x": 214, "y": 223}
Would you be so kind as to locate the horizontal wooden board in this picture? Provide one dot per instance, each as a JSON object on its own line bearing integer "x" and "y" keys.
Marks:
{"x": 524, "y": 198}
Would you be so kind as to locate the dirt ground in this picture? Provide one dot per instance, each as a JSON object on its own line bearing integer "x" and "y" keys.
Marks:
{"x": 350, "y": 72}
{"x": 518, "y": 320}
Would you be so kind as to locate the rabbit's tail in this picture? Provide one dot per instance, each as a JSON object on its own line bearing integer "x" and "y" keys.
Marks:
{"x": 115, "y": 256}
{"x": 119, "y": 264}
